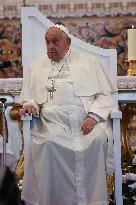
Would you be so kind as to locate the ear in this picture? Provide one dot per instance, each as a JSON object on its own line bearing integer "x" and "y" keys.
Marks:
{"x": 69, "y": 41}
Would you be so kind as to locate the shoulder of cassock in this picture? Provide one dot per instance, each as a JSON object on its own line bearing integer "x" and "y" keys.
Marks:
{"x": 34, "y": 84}
{"x": 88, "y": 76}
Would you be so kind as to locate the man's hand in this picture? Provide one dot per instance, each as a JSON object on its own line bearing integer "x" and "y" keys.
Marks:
{"x": 30, "y": 109}
{"x": 88, "y": 125}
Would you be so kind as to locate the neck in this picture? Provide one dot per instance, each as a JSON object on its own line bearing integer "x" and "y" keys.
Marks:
{"x": 67, "y": 54}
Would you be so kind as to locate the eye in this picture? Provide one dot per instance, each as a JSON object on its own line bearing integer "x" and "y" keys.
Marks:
{"x": 47, "y": 42}
{"x": 55, "y": 41}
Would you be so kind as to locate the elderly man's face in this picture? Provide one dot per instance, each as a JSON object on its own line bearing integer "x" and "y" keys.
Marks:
{"x": 57, "y": 43}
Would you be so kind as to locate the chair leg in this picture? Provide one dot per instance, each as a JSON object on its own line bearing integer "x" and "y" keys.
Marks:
{"x": 117, "y": 159}
{"x": 26, "y": 132}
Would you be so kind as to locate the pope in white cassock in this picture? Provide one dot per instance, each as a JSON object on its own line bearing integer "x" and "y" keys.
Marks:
{"x": 71, "y": 146}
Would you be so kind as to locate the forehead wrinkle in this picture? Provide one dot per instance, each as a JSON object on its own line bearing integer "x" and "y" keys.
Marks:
{"x": 53, "y": 32}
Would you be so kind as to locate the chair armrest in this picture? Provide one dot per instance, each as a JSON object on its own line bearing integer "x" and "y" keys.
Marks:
{"x": 116, "y": 114}
{"x": 26, "y": 131}
{"x": 26, "y": 117}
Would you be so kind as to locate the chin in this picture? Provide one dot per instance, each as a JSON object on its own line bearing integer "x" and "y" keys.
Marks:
{"x": 53, "y": 58}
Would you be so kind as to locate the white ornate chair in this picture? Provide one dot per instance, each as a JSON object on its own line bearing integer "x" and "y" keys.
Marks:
{"x": 34, "y": 26}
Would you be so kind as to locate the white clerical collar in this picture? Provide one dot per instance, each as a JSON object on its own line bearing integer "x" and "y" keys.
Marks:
{"x": 62, "y": 28}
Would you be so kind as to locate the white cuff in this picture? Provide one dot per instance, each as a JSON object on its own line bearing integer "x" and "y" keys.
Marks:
{"x": 95, "y": 116}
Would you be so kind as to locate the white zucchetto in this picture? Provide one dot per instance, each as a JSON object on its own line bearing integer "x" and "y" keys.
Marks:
{"x": 63, "y": 28}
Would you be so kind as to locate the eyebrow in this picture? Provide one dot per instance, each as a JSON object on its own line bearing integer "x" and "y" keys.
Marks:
{"x": 53, "y": 39}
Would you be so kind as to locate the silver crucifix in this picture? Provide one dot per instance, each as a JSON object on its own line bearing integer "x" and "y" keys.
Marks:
{"x": 51, "y": 90}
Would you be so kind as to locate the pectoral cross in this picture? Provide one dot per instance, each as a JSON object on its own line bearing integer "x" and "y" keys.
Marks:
{"x": 51, "y": 90}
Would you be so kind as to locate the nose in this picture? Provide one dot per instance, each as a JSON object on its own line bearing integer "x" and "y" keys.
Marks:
{"x": 50, "y": 45}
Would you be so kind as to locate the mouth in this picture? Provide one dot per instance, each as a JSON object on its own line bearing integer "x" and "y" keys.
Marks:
{"x": 52, "y": 52}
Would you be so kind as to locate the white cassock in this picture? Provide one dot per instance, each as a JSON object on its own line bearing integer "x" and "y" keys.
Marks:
{"x": 65, "y": 167}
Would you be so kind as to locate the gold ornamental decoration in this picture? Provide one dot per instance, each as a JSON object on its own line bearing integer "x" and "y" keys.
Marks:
{"x": 132, "y": 68}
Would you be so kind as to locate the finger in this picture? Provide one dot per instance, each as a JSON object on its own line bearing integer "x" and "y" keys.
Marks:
{"x": 85, "y": 131}
{"x": 24, "y": 110}
{"x": 35, "y": 112}
{"x": 29, "y": 110}
{"x": 89, "y": 126}
{"x": 21, "y": 112}
{"x": 82, "y": 127}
